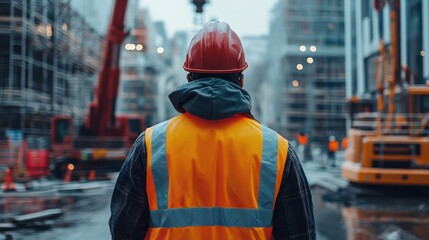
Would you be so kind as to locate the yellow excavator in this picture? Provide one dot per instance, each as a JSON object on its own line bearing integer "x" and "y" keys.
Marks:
{"x": 390, "y": 147}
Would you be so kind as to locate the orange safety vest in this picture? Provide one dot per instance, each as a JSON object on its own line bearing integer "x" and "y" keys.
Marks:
{"x": 212, "y": 179}
{"x": 344, "y": 143}
{"x": 333, "y": 146}
{"x": 302, "y": 139}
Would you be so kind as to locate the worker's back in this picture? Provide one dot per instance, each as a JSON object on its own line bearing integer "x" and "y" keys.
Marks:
{"x": 213, "y": 179}
{"x": 213, "y": 172}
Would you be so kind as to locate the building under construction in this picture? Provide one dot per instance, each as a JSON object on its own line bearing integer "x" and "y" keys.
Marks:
{"x": 49, "y": 58}
{"x": 138, "y": 86}
{"x": 307, "y": 69}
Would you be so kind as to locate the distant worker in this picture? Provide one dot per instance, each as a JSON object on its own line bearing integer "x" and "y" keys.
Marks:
{"x": 344, "y": 143}
{"x": 333, "y": 147}
{"x": 302, "y": 140}
{"x": 212, "y": 172}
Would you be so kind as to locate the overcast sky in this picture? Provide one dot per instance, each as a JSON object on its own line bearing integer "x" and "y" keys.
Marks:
{"x": 246, "y": 17}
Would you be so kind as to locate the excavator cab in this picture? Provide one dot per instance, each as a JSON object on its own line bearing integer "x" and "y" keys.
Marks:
{"x": 61, "y": 130}
{"x": 130, "y": 126}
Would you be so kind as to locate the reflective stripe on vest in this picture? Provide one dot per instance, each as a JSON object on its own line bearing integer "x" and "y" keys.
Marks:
{"x": 162, "y": 212}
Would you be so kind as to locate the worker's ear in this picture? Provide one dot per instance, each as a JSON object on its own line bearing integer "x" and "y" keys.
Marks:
{"x": 188, "y": 76}
{"x": 241, "y": 80}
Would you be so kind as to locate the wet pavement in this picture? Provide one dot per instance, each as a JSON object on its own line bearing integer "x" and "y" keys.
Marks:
{"x": 84, "y": 206}
{"x": 345, "y": 211}
{"x": 372, "y": 217}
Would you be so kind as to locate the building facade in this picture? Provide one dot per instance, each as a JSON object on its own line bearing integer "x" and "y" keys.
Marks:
{"x": 49, "y": 59}
{"x": 365, "y": 27}
{"x": 306, "y": 88}
{"x": 137, "y": 81}
{"x": 145, "y": 67}
{"x": 255, "y": 48}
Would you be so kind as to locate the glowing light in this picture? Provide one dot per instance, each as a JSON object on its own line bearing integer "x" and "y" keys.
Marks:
{"x": 295, "y": 83}
{"x": 160, "y": 50}
{"x": 70, "y": 167}
{"x": 313, "y": 48}
{"x": 49, "y": 30}
{"x": 310, "y": 60}
{"x": 422, "y": 53}
{"x": 127, "y": 46}
{"x": 132, "y": 46}
{"x": 40, "y": 28}
{"x": 302, "y": 48}
{"x": 139, "y": 47}
{"x": 299, "y": 67}
{"x": 64, "y": 26}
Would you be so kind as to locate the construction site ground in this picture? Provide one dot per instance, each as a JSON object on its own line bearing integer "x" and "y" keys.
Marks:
{"x": 80, "y": 210}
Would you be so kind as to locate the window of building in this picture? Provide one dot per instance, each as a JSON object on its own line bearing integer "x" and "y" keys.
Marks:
{"x": 370, "y": 74}
{"x": 415, "y": 38}
{"x": 367, "y": 13}
{"x": 366, "y": 8}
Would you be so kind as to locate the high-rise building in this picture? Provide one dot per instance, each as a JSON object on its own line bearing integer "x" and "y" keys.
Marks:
{"x": 96, "y": 13}
{"x": 365, "y": 27}
{"x": 144, "y": 68}
{"x": 49, "y": 59}
{"x": 255, "y": 48}
{"x": 138, "y": 85}
{"x": 307, "y": 69}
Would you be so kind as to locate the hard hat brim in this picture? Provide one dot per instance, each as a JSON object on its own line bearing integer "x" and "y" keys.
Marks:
{"x": 196, "y": 70}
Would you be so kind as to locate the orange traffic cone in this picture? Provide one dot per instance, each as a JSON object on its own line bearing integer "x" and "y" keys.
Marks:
{"x": 68, "y": 176}
{"x": 91, "y": 176}
{"x": 8, "y": 184}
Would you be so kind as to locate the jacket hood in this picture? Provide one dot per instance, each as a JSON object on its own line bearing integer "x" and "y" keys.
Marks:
{"x": 211, "y": 99}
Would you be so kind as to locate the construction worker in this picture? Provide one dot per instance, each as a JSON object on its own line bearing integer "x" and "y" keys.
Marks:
{"x": 344, "y": 143}
{"x": 302, "y": 139}
{"x": 213, "y": 172}
{"x": 333, "y": 147}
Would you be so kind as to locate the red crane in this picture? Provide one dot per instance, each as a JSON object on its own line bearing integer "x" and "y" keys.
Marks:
{"x": 101, "y": 118}
{"x": 104, "y": 139}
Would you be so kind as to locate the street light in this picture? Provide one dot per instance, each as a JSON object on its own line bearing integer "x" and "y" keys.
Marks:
{"x": 422, "y": 53}
{"x": 313, "y": 48}
{"x": 295, "y": 83}
{"x": 299, "y": 67}
{"x": 302, "y": 48}
{"x": 139, "y": 47}
{"x": 310, "y": 60}
{"x": 49, "y": 30}
{"x": 160, "y": 50}
{"x": 70, "y": 167}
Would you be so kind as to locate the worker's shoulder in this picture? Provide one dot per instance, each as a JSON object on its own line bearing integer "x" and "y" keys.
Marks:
{"x": 280, "y": 137}
{"x": 160, "y": 124}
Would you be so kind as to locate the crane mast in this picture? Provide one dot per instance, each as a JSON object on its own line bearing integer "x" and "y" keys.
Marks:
{"x": 100, "y": 120}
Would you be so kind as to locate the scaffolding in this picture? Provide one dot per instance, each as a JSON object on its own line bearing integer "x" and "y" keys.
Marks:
{"x": 312, "y": 94}
{"x": 49, "y": 59}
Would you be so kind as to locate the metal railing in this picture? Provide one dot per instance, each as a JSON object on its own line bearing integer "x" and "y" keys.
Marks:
{"x": 391, "y": 124}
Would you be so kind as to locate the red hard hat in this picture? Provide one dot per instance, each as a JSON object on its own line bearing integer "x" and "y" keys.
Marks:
{"x": 215, "y": 49}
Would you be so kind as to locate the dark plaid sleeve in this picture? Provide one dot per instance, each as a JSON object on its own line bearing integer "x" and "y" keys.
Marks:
{"x": 129, "y": 206}
{"x": 293, "y": 212}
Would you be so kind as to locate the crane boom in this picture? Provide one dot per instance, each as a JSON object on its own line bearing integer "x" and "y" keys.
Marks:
{"x": 100, "y": 120}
